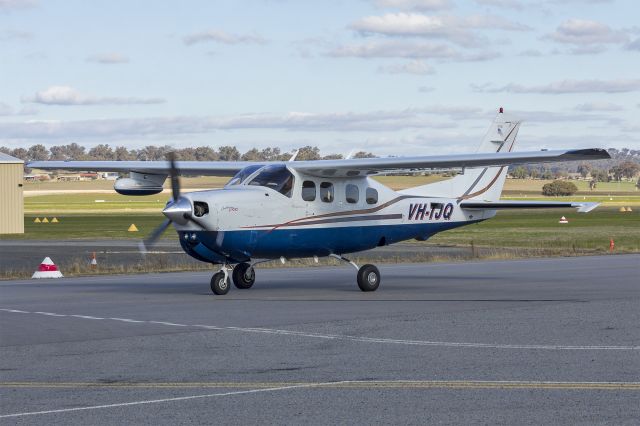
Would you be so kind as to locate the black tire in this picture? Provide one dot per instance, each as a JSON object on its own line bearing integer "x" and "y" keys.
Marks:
{"x": 368, "y": 278}
{"x": 243, "y": 276}
{"x": 219, "y": 285}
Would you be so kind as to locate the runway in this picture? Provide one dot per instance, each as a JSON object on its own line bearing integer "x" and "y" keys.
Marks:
{"x": 510, "y": 342}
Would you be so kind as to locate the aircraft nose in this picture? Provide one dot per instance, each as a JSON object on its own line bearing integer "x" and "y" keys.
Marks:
{"x": 178, "y": 211}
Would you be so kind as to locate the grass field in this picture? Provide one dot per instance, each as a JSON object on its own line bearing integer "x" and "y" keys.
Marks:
{"x": 526, "y": 229}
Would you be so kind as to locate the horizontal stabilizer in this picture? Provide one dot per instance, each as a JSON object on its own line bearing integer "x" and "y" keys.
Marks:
{"x": 498, "y": 205}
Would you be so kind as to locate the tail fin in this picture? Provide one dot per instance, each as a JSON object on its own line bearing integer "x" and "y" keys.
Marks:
{"x": 478, "y": 183}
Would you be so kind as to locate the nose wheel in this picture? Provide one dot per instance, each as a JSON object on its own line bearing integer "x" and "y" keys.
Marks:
{"x": 220, "y": 283}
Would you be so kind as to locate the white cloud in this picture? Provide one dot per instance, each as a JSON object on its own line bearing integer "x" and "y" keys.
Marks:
{"x": 454, "y": 29}
{"x": 108, "y": 58}
{"x": 9, "y": 35}
{"x": 5, "y": 109}
{"x": 416, "y": 67}
{"x": 9, "y": 5}
{"x": 584, "y": 32}
{"x": 598, "y": 106}
{"x": 65, "y": 95}
{"x": 409, "y": 49}
{"x": 567, "y": 86}
{"x": 414, "y": 4}
{"x": 219, "y": 36}
{"x": 505, "y": 4}
{"x": 634, "y": 45}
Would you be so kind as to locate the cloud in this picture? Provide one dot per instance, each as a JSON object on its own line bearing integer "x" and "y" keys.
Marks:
{"x": 9, "y": 35}
{"x": 9, "y": 5}
{"x": 108, "y": 58}
{"x": 506, "y": 4}
{"x": 65, "y": 95}
{"x": 598, "y": 106}
{"x": 634, "y": 45}
{"x": 585, "y": 32}
{"x": 567, "y": 86}
{"x": 426, "y": 89}
{"x": 416, "y": 67}
{"x": 7, "y": 110}
{"x": 414, "y": 4}
{"x": 223, "y": 37}
{"x": 409, "y": 49}
{"x": 454, "y": 29}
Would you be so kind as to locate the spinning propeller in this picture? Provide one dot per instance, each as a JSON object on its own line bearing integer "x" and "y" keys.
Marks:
{"x": 177, "y": 210}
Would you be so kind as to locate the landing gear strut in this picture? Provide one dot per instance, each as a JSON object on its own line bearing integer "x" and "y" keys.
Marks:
{"x": 368, "y": 275}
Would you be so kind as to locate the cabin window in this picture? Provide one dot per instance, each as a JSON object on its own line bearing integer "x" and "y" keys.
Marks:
{"x": 372, "y": 196}
{"x": 326, "y": 192}
{"x": 308, "y": 190}
{"x": 242, "y": 175}
{"x": 276, "y": 177}
{"x": 352, "y": 193}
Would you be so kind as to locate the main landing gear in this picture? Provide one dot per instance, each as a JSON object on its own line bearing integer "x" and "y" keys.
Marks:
{"x": 368, "y": 275}
{"x": 243, "y": 276}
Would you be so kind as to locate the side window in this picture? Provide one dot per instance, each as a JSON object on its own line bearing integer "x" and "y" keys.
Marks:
{"x": 308, "y": 190}
{"x": 352, "y": 193}
{"x": 372, "y": 196}
{"x": 326, "y": 192}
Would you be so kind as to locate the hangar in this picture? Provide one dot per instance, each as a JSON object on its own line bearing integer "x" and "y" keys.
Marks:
{"x": 11, "y": 197}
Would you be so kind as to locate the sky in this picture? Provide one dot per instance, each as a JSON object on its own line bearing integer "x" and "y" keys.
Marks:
{"x": 393, "y": 77}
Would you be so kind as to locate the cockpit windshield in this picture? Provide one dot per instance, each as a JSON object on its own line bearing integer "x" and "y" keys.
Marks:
{"x": 276, "y": 177}
{"x": 243, "y": 174}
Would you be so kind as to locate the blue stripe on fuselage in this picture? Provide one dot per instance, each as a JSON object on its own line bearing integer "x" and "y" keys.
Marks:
{"x": 241, "y": 245}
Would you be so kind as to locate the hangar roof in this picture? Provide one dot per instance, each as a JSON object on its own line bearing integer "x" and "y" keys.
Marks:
{"x": 7, "y": 159}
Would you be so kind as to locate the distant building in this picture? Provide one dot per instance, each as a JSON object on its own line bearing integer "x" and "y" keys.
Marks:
{"x": 11, "y": 197}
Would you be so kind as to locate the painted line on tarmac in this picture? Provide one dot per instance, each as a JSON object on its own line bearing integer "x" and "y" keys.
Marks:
{"x": 157, "y": 401}
{"x": 361, "y": 339}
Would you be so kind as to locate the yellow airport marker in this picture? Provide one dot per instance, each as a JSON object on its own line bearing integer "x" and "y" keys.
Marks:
{"x": 622, "y": 210}
{"x": 37, "y": 220}
{"x": 54, "y": 220}
{"x": 45, "y": 220}
{"x": 133, "y": 228}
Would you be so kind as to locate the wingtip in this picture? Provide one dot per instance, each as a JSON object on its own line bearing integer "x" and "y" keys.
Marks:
{"x": 586, "y": 207}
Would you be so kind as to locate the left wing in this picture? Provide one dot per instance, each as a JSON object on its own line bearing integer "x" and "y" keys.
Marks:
{"x": 333, "y": 168}
{"x": 498, "y": 205}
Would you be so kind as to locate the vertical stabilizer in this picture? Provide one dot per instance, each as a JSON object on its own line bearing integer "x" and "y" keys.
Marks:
{"x": 478, "y": 183}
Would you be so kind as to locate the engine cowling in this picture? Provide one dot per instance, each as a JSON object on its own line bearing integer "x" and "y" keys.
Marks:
{"x": 140, "y": 184}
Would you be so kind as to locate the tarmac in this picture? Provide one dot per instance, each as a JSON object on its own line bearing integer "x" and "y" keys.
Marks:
{"x": 537, "y": 341}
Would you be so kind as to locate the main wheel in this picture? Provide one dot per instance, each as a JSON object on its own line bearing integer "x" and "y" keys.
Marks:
{"x": 243, "y": 276}
{"x": 219, "y": 283}
{"x": 368, "y": 278}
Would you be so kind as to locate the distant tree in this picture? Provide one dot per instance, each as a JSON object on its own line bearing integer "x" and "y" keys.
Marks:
{"x": 592, "y": 184}
{"x": 186, "y": 154}
{"x": 519, "y": 173}
{"x": 271, "y": 154}
{"x": 584, "y": 169}
{"x": 20, "y": 153}
{"x": 559, "y": 188}
{"x": 333, "y": 157}
{"x": 252, "y": 155}
{"x": 600, "y": 175}
{"x": 205, "y": 153}
{"x": 38, "y": 153}
{"x": 547, "y": 174}
{"x": 363, "y": 154}
{"x": 102, "y": 152}
{"x": 5, "y": 150}
{"x": 73, "y": 151}
{"x": 58, "y": 152}
{"x": 534, "y": 174}
{"x": 229, "y": 153}
{"x": 629, "y": 169}
{"x": 122, "y": 154}
{"x": 308, "y": 153}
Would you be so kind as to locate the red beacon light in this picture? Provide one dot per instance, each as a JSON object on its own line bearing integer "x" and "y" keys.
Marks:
{"x": 501, "y": 110}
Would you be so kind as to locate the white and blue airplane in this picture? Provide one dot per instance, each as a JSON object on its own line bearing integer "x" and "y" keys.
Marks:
{"x": 298, "y": 209}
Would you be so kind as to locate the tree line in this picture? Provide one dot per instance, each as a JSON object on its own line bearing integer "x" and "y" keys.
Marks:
{"x": 105, "y": 152}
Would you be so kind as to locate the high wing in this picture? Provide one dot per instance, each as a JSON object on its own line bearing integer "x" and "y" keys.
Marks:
{"x": 334, "y": 168}
{"x": 499, "y": 205}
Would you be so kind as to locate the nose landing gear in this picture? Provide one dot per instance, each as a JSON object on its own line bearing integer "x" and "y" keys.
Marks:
{"x": 244, "y": 276}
